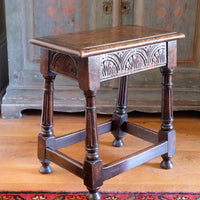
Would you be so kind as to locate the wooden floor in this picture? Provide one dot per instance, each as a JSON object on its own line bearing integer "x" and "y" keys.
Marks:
{"x": 19, "y": 164}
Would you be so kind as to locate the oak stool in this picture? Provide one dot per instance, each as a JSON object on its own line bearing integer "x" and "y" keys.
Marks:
{"x": 93, "y": 57}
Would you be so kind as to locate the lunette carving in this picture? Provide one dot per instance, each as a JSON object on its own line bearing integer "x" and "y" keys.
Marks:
{"x": 133, "y": 60}
{"x": 63, "y": 64}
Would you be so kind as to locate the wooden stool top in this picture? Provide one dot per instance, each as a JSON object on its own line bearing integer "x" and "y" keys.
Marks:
{"x": 89, "y": 43}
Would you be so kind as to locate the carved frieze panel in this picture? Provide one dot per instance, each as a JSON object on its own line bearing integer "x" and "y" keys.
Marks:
{"x": 130, "y": 61}
{"x": 63, "y": 64}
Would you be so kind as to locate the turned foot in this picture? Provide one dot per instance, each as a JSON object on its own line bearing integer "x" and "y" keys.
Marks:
{"x": 45, "y": 169}
{"x": 166, "y": 163}
{"x": 93, "y": 196}
{"x": 118, "y": 143}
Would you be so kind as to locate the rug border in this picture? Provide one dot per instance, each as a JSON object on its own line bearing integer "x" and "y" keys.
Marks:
{"x": 101, "y": 192}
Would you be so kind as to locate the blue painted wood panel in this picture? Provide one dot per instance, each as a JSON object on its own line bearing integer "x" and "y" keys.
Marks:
{"x": 176, "y": 15}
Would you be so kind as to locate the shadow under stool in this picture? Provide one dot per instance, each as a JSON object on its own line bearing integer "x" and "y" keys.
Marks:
{"x": 93, "y": 57}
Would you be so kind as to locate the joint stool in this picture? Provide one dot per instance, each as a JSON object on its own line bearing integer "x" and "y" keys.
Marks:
{"x": 90, "y": 58}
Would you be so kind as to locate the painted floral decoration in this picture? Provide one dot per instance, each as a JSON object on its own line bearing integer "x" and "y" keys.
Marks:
{"x": 61, "y": 15}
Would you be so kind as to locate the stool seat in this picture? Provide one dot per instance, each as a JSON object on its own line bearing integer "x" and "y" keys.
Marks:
{"x": 89, "y": 43}
{"x": 93, "y": 57}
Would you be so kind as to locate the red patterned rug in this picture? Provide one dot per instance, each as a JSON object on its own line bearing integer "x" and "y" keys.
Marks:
{"x": 104, "y": 195}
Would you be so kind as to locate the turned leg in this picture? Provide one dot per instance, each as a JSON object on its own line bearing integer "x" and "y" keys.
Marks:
{"x": 120, "y": 115}
{"x": 46, "y": 136}
{"x": 92, "y": 163}
{"x": 167, "y": 132}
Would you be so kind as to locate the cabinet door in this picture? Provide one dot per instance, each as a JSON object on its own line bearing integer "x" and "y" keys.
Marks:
{"x": 180, "y": 16}
{"x": 176, "y": 15}
{"x": 27, "y": 19}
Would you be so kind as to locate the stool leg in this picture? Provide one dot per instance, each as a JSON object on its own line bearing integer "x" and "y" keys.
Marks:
{"x": 92, "y": 163}
{"x": 46, "y": 136}
{"x": 167, "y": 132}
{"x": 120, "y": 115}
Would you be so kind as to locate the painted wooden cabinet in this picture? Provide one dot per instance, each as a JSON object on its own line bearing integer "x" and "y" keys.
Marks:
{"x": 3, "y": 51}
{"x": 29, "y": 18}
